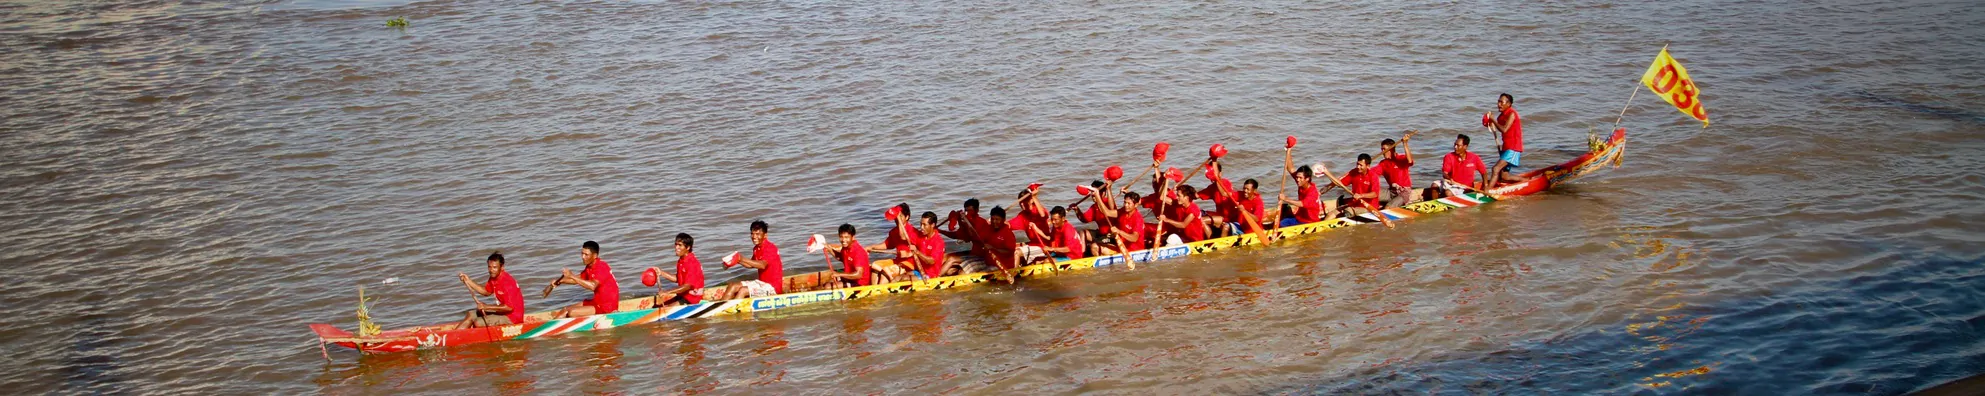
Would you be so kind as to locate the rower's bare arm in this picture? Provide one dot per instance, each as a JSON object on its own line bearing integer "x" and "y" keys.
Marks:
{"x": 571, "y": 279}
{"x": 667, "y": 276}
{"x": 496, "y": 309}
{"x": 753, "y": 264}
{"x": 473, "y": 287}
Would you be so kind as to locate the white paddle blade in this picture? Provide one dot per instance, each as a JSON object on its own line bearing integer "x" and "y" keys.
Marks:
{"x": 816, "y": 244}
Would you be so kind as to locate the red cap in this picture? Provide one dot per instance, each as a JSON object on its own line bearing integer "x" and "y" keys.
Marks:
{"x": 1158, "y": 152}
{"x": 1174, "y": 174}
{"x": 1113, "y": 173}
{"x": 650, "y": 276}
{"x": 1217, "y": 151}
{"x": 1292, "y": 142}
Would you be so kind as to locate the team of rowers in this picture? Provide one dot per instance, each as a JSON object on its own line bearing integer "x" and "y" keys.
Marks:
{"x": 916, "y": 247}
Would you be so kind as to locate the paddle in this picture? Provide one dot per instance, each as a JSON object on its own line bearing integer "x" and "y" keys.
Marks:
{"x": 1354, "y": 193}
{"x": 1283, "y": 191}
{"x": 1157, "y": 159}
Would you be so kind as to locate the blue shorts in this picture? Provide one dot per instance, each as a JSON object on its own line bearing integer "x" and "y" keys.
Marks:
{"x": 1289, "y": 222}
{"x": 1514, "y": 158}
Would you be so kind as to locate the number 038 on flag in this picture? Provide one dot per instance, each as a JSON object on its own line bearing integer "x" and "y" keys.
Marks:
{"x": 1667, "y": 78}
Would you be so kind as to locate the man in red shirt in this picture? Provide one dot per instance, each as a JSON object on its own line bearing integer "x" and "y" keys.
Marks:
{"x": 1105, "y": 233}
{"x": 688, "y": 276}
{"x": 1510, "y": 126}
{"x": 1458, "y": 171}
{"x": 932, "y": 260}
{"x": 1065, "y": 241}
{"x": 596, "y": 277}
{"x": 1001, "y": 249}
{"x": 967, "y": 226}
{"x": 901, "y": 244}
{"x": 1308, "y": 206}
{"x": 509, "y": 299}
{"x": 1251, "y": 204}
{"x": 854, "y": 259}
{"x": 1131, "y": 235}
{"x": 764, "y": 258}
{"x": 1395, "y": 164}
{"x": 1363, "y": 184}
{"x": 1225, "y": 208}
{"x": 1184, "y": 215}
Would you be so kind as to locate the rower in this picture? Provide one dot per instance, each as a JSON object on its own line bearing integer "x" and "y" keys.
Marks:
{"x": 1032, "y": 218}
{"x": 596, "y": 277}
{"x": 967, "y": 226}
{"x": 1308, "y": 206}
{"x": 1458, "y": 171}
{"x": 1105, "y": 233}
{"x": 854, "y": 259}
{"x": 1510, "y": 126}
{"x": 1131, "y": 235}
{"x": 1251, "y": 204}
{"x": 1225, "y": 209}
{"x": 1001, "y": 249}
{"x": 509, "y": 308}
{"x": 931, "y": 257}
{"x": 764, "y": 258}
{"x": 901, "y": 243}
{"x": 1395, "y": 164}
{"x": 1184, "y": 216}
{"x": 688, "y": 276}
{"x": 1065, "y": 242}
{"x": 1363, "y": 184}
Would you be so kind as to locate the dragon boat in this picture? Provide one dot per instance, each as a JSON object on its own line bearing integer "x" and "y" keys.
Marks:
{"x": 818, "y": 287}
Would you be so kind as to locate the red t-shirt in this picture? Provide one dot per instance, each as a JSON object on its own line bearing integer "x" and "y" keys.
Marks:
{"x": 1001, "y": 239}
{"x": 1095, "y": 215}
{"x": 689, "y": 272}
{"x": 1312, "y": 210}
{"x": 1069, "y": 237}
{"x": 932, "y": 245}
{"x": 1133, "y": 223}
{"x": 1195, "y": 229}
{"x": 1462, "y": 170}
{"x": 855, "y": 259}
{"x": 1362, "y": 182}
{"x": 1397, "y": 170}
{"x": 774, "y": 272}
{"x": 1512, "y": 138}
{"x": 606, "y": 296}
{"x": 1253, "y": 207}
{"x": 979, "y": 227}
{"x": 896, "y": 242}
{"x": 1223, "y": 203}
{"x": 504, "y": 288}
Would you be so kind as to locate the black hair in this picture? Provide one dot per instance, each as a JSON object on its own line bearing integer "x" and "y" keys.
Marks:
{"x": 932, "y": 216}
{"x": 497, "y": 257}
{"x": 1132, "y": 196}
{"x": 1096, "y": 184}
{"x": 848, "y": 229}
{"x": 1058, "y": 211}
{"x": 971, "y": 202}
{"x": 1365, "y": 158}
{"x": 591, "y": 246}
{"x": 1463, "y": 137}
{"x": 1387, "y": 142}
{"x": 1189, "y": 192}
{"x": 1305, "y": 171}
{"x": 759, "y": 225}
{"x": 998, "y": 212}
{"x": 903, "y": 208}
{"x": 686, "y": 241}
{"x": 1022, "y": 194}
{"x": 1250, "y": 183}
{"x": 1512, "y": 99}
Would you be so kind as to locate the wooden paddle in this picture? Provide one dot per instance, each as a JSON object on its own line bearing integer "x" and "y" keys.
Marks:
{"x": 1354, "y": 193}
{"x": 1284, "y": 189}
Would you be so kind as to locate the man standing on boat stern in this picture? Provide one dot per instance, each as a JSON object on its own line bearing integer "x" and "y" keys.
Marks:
{"x": 1458, "y": 171}
{"x": 1510, "y": 126}
{"x": 764, "y": 258}
{"x": 596, "y": 277}
{"x": 688, "y": 276}
{"x": 510, "y": 299}
{"x": 1397, "y": 169}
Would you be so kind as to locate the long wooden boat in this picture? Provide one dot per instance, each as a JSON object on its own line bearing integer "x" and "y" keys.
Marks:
{"x": 817, "y": 287}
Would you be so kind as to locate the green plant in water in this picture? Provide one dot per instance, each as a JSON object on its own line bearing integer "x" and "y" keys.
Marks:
{"x": 398, "y": 22}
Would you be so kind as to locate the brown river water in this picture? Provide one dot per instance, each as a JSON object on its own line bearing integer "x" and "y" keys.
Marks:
{"x": 184, "y": 185}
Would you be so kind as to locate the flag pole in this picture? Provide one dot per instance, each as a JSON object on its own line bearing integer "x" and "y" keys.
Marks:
{"x": 1636, "y": 91}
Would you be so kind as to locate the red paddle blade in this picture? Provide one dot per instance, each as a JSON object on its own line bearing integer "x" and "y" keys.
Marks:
{"x": 1113, "y": 173}
{"x": 1217, "y": 151}
{"x": 1084, "y": 190}
{"x": 1158, "y": 152}
{"x": 1292, "y": 142}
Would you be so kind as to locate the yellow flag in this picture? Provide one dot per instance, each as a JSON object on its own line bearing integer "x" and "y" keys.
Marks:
{"x": 1668, "y": 79}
